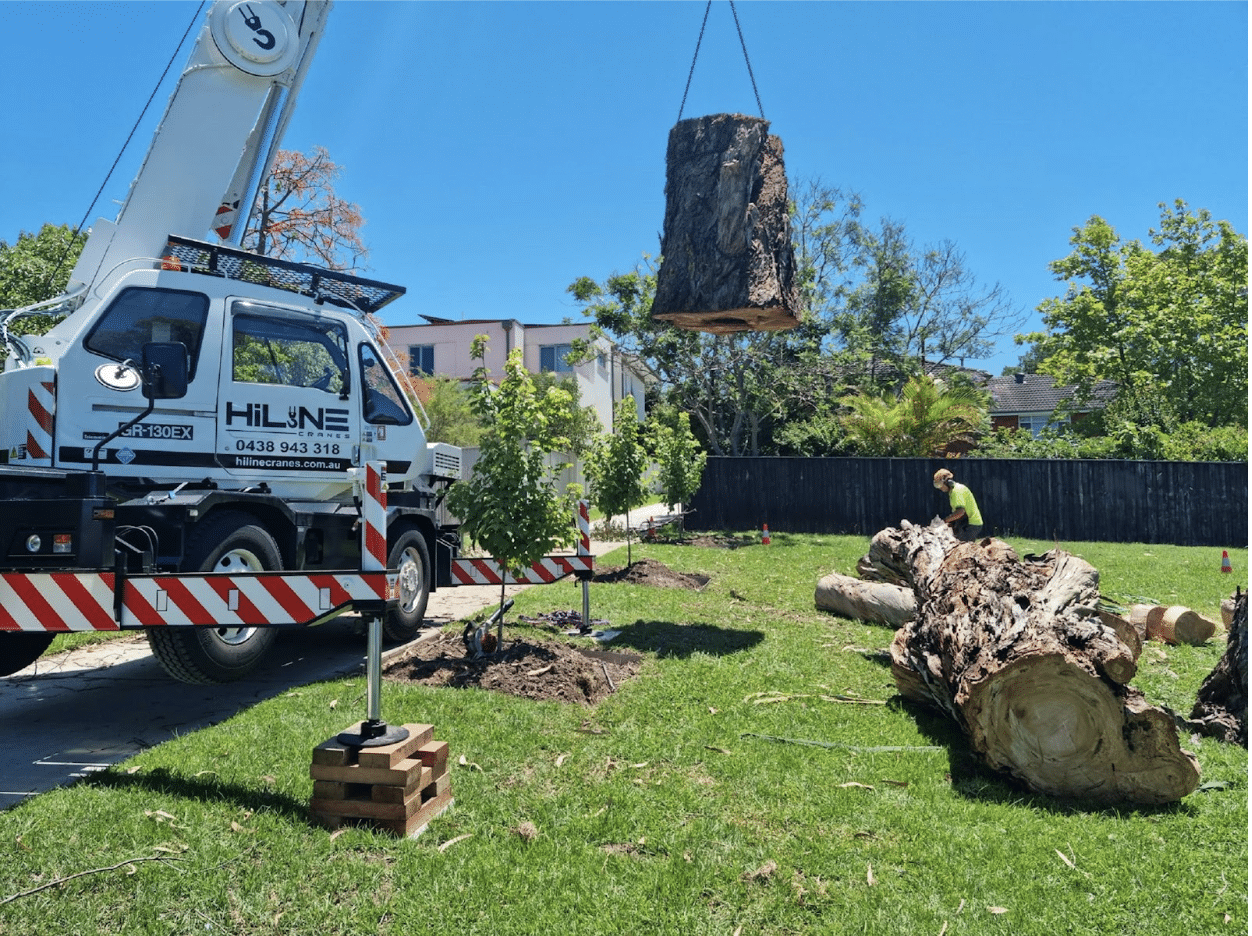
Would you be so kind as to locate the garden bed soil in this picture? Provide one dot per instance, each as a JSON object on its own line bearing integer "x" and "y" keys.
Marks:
{"x": 539, "y": 670}
{"x": 650, "y": 572}
{"x": 548, "y": 671}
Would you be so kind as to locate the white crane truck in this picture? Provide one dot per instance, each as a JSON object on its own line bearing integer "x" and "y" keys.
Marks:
{"x": 201, "y": 408}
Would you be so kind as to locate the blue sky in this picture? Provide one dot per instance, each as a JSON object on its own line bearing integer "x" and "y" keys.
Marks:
{"x": 501, "y": 150}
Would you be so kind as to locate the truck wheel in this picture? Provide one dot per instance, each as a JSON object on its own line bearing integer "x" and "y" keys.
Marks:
{"x": 20, "y": 650}
{"x": 228, "y": 542}
{"x": 410, "y": 557}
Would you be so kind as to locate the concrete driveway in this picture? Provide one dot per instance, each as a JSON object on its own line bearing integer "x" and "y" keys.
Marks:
{"x": 72, "y": 713}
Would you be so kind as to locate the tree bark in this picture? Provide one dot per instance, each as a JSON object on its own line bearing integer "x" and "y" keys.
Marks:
{"x": 1221, "y": 707}
{"x": 879, "y": 602}
{"x": 1017, "y": 653}
{"x": 727, "y": 262}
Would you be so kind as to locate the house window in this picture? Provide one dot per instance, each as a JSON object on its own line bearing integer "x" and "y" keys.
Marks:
{"x": 422, "y": 360}
{"x": 552, "y": 358}
{"x": 1036, "y": 423}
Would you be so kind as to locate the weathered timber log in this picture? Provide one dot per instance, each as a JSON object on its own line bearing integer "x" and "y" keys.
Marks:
{"x": 727, "y": 262}
{"x": 879, "y": 602}
{"x": 1228, "y": 609}
{"x": 1221, "y": 707}
{"x": 1016, "y": 652}
{"x": 1138, "y": 618}
{"x": 1178, "y": 624}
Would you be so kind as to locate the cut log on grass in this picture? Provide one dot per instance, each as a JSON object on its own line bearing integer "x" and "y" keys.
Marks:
{"x": 1179, "y": 624}
{"x": 727, "y": 261}
{"x": 879, "y": 602}
{"x": 1228, "y": 610}
{"x": 1221, "y": 708}
{"x": 1015, "y": 651}
{"x": 1138, "y": 618}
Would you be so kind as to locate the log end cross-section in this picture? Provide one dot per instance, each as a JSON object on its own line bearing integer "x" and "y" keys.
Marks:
{"x": 1065, "y": 733}
{"x": 1017, "y": 652}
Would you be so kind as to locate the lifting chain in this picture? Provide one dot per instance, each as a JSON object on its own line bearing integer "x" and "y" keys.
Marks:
{"x": 742, "y": 44}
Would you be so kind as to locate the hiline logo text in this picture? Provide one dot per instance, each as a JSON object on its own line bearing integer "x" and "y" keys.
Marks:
{"x": 258, "y": 416}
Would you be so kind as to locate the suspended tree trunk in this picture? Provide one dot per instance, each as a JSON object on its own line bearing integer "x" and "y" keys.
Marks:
{"x": 727, "y": 262}
{"x": 1016, "y": 652}
{"x": 1221, "y": 707}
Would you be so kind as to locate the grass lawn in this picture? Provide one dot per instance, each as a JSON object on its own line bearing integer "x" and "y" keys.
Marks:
{"x": 663, "y": 809}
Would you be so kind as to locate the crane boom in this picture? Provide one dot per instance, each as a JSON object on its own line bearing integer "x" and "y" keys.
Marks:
{"x": 217, "y": 139}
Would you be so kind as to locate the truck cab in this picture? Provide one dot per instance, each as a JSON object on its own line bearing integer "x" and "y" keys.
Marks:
{"x": 285, "y": 389}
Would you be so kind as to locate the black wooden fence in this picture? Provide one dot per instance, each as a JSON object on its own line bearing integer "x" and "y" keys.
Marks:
{"x": 1184, "y": 503}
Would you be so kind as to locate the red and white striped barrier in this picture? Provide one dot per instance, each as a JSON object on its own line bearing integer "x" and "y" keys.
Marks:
{"x": 583, "y": 518}
{"x": 84, "y": 601}
{"x": 546, "y": 570}
{"x": 88, "y": 601}
{"x": 374, "y": 518}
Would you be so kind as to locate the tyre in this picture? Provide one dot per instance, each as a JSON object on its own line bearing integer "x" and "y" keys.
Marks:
{"x": 410, "y": 557}
{"x": 20, "y": 650}
{"x": 227, "y": 542}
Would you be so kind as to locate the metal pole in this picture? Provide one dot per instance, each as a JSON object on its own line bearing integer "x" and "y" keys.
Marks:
{"x": 582, "y": 518}
{"x": 374, "y": 732}
{"x": 374, "y": 670}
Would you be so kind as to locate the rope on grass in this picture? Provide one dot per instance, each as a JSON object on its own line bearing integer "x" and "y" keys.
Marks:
{"x": 69, "y": 877}
{"x": 861, "y": 749}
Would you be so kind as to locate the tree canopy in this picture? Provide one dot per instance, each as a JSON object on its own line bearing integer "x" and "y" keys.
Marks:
{"x": 510, "y": 505}
{"x": 927, "y": 419}
{"x": 615, "y": 467}
{"x": 298, "y": 216}
{"x": 36, "y": 267}
{"x": 1167, "y": 322}
{"x": 33, "y": 268}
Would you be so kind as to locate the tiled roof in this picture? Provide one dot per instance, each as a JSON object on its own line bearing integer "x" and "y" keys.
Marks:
{"x": 1037, "y": 393}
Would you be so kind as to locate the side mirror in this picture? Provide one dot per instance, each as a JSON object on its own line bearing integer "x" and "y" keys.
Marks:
{"x": 164, "y": 370}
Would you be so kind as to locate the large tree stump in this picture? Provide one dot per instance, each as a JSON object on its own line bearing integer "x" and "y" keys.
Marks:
{"x": 1221, "y": 707}
{"x": 727, "y": 262}
{"x": 1017, "y": 653}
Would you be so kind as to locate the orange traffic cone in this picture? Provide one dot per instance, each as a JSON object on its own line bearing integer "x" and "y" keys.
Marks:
{"x": 765, "y": 534}
{"x": 1226, "y": 561}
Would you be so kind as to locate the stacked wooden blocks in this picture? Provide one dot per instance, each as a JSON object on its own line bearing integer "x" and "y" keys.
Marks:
{"x": 397, "y": 787}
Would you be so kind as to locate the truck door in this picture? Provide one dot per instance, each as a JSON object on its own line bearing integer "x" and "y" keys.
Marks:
{"x": 98, "y": 388}
{"x": 286, "y": 415}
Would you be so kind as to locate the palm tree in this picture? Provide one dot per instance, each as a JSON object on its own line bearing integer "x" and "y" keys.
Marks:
{"x": 925, "y": 420}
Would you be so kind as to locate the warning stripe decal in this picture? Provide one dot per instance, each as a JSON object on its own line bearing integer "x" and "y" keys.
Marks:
{"x": 83, "y": 602}
{"x": 26, "y": 592}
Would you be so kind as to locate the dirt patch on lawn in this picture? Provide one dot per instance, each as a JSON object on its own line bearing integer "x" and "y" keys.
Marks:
{"x": 546, "y": 672}
{"x": 667, "y": 537}
{"x": 549, "y": 671}
{"x": 650, "y": 572}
